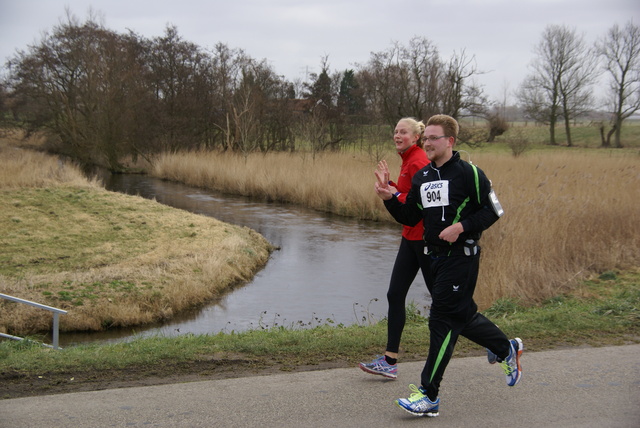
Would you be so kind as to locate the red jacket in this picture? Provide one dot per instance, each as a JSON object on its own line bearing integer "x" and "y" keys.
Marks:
{"x": 413, "y": 160}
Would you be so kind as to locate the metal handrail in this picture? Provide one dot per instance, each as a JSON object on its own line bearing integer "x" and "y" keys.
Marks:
{"x": 56, "y": 316}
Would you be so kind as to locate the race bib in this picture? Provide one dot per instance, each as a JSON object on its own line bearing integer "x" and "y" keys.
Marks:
{"x": 435, "y": 194}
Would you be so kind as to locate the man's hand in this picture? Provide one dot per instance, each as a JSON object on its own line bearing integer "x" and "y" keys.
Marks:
{"x": 451, "y": 233}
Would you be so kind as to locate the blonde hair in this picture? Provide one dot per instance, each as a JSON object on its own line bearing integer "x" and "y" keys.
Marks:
{"x": 417, "y": 127}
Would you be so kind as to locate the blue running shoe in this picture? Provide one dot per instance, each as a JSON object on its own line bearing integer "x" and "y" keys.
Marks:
{"x": 418, "y": 403}
{"x": 491, "y": 357}
{"x": 511, "y": 365}
{"x": 380, "y": 366}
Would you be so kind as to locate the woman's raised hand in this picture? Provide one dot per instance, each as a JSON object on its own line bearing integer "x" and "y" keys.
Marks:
{"x": 383, "y": 190}
{"x": 383, "y": 172}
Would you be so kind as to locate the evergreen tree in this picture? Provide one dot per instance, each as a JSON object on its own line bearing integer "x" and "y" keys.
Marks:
{"x": 350, "y": 101}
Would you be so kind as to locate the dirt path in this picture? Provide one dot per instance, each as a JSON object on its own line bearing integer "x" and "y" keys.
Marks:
{"x": 15, "y": 385}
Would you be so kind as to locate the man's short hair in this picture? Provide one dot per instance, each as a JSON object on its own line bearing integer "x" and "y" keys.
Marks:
{"x": 449, "y": 125}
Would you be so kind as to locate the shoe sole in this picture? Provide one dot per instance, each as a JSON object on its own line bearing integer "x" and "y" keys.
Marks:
{"x": 387, "y": 375}
{"x": 518, "y": 354}
{"x": 429, "y": 414}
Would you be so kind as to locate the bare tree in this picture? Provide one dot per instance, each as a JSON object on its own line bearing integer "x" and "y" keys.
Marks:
{"x": 250, "y": 103}
{"x": 224, "y": 73}
{"x": 376, "y": 139}
{"x": 274, "y": 116}
{"x": 177, "y": 69}
{"x": 558, "y": 88}
{"x": 460, "y": 95}
{"x": 620, "y": 49}
{"x": 580, "y": 68}
{"x": 414, "y": 81}
{"x": 314, "y": 128}
{"x": 540, "y": 103}
{"x": 103, "y": 96}
{"x": 79, "y": 84}
{"x": 245, "y": 112}
{"x": 403, "y": 81}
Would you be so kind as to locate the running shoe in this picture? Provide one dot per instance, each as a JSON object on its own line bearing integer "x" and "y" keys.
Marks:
{"x": 491, "y": 357}
{"x": 379, "y": 366}
{"x": 511, "y": 365}
{"x": 418, "y": 403}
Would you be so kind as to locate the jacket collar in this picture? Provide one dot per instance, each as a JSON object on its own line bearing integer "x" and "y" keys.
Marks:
{"x": 454, "y": 158}
{"x": 404, "y": 155}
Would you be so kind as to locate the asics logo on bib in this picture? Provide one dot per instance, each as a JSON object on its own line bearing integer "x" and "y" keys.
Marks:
{"x": 433, "y": 186}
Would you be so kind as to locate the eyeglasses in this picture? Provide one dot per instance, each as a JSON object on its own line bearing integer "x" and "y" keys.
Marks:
{"x": 432, "y": 138}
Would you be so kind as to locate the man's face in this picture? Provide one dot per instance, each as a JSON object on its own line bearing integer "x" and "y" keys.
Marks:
{"x": 436, "y": 144}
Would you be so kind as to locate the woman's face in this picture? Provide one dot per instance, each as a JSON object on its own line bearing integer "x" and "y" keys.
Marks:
{"x": 404, "y": 137}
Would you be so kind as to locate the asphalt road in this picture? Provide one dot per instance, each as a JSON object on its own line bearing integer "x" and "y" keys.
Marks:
{"x": 593, "y": 387}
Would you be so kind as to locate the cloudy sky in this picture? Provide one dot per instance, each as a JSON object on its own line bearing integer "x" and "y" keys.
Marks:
{"x": 294, "y": 35}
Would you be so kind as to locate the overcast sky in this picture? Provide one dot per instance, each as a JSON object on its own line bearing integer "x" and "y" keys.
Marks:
{"x": 294, "y": 35}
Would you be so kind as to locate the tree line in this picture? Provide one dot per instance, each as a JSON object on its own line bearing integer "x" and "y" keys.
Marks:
{"x": 565, "y": 70}
{"x": 103, "y": 96}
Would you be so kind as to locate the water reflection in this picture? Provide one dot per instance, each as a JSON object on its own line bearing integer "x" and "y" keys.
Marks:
{"x": 328, "y": 269}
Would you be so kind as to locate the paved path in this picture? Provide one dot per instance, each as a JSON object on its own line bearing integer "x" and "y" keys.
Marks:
{"x": 568, "y": 388}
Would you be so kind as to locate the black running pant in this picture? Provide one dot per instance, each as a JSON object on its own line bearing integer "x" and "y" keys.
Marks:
{"x": 409, "y": 260}
{"x": 454, "y": 313}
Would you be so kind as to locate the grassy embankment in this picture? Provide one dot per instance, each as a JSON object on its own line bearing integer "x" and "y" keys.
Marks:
{"x": 108, "y": 259}
{"x": 555, "y": 234}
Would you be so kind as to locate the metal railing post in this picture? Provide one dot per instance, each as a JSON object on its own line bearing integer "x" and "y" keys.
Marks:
{"x": 56, "y": 332}
{"x": 56, "y": 318}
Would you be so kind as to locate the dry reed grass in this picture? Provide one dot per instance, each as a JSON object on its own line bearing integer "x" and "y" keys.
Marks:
{"x": 25, "y": 168}
{"x": 331, "y": 182}
{"x": 568, "y": 213}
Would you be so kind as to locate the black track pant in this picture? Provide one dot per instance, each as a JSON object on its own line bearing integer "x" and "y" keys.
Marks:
{"x": 409, "y": 260}
{"x": 454, "y": 313}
